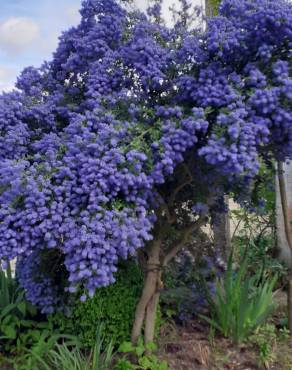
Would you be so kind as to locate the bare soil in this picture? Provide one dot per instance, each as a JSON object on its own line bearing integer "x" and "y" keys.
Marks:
{"x": 195, "y": 347}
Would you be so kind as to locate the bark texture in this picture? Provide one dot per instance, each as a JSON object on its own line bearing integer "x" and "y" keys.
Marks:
{"x": 285, "y": 178}
{"x": 147, "y": 303}
{"x": 284, "y": 231}
{"x": 146, "y": 310}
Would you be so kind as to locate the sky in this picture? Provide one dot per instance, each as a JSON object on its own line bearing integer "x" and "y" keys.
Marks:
{"x": 29, "y": 31}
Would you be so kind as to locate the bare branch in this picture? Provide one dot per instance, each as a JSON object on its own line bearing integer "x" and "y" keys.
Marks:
{"x": 171, "y": 218}
{"x": 188, "y": 181}
{"x": 180, "y": 244}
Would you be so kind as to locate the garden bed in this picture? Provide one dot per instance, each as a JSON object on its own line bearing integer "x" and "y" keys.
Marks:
{"x": 196, "y": 347}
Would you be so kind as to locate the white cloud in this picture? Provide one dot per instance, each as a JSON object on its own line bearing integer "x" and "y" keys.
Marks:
{"x": 66, "y": 18}
{"x": 18, "y": 33}
{"x": 7, "y": 77}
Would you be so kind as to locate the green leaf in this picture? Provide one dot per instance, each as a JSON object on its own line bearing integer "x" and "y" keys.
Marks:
{"x": 139, "y": 350}
{"x": 7, "y": 310}
{"x": 145, "y": 363}
{"x": 7, "y": 320}
{"x": 151, "y": 346}
{"x": 126, "y": 347}
{"x": 9, "y": 331}
{"x": 22, "y": 307}
{"x": 40, "y": 360}
{"x": 124, "y": 364}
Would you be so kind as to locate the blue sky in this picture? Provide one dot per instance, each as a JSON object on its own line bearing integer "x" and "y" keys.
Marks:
{"x": 29, "y": 31}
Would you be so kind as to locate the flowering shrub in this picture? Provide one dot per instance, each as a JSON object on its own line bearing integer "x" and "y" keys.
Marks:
{"x": 97, "y": 144}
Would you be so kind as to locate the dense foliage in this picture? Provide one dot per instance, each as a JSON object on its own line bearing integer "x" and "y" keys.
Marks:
{"x": 114, "y": 306}
{"x": 93, "y": 142}
{"x": 241, "y": 302}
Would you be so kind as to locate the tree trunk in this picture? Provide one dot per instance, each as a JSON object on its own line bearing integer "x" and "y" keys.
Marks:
{"x": 289, "y": 299}
{"x": 146, "y": 308}
{"x": 285, "y": 253}
{"x": 150, "y": 319}
{"x": 284, "y": 219}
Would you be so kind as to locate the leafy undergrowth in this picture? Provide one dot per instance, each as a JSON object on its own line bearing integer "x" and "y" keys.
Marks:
{"x": 196, "y": 347}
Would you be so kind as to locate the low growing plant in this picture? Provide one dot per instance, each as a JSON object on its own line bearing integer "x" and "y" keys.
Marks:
{"x": 145, "y": 358}
{"x": 241, "y": 302}
{"x": 24, "y": 335}
{"x": 15, "y": 311}
{"x": 65, "y": 357}
{"x": 265, "y": 338}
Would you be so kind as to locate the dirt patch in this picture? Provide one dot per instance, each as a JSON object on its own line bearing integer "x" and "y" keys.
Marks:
{"x": 194, "y": 347}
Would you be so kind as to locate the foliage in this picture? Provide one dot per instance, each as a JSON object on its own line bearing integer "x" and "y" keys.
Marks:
{"x": 213, "y": 7}
{"x": 265, "y": 338}
{"x": 67, "y": 358}
{"x": 144, "y": 361}
{"x": 254, "y": 237}
{"x": 113, "y": 306}
{"x": 268, "y": 341}
{"x": 15, "y": 311}
{"x": 260, "y": 256}
{"x": 241, "y": 302}
{"x": 126, "y": 114}
{"x": 256, "y": 219}
{"x": 36, "y": 343}
{"x": 24, "y": 335}
{"x": 184, "y": 294}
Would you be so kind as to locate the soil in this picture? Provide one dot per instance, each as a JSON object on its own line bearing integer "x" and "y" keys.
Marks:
{"x": 194, "y": 347}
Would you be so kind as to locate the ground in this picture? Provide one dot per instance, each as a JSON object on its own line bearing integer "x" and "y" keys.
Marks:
{"x": 191, "y": 348}
{"x": 195, "y": 347}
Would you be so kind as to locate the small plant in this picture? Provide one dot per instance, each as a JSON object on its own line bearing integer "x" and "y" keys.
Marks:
{"x": 15, "y": 311}
{"x": 24, "y": 337}
{"x": 64, "y": 357}
{"x": 265, "y": 338}
{"x": 241, "y": 303}
{"x": 144, "y": 361}
{"x": 36, "y": 344}
{"x": 284, "y": 334}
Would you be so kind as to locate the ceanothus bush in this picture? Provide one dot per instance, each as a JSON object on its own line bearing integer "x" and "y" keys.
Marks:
{"x": 94, "y": 141}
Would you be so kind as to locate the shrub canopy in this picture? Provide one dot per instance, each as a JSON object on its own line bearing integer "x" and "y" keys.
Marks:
{"x": 91, "y": 141}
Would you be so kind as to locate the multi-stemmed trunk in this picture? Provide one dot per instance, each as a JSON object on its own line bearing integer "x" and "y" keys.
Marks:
{"x": 157, "y": 259}
{"x": 147, "y": 306}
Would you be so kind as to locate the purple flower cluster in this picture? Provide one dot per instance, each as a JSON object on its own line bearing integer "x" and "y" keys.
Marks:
{"x": 38, "y": 286}
{"x": 88, "y": 138}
